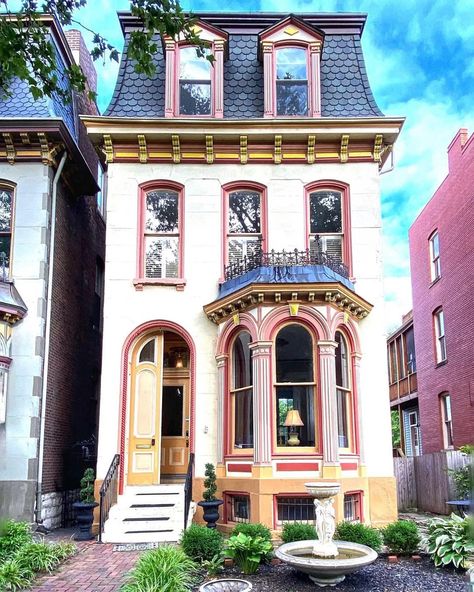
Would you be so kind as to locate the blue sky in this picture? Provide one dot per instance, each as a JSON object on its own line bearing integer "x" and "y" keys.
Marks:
{"x": 420, "y": 61}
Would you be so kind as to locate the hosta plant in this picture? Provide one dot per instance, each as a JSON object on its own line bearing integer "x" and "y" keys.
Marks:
{"x": 451, "y": 541}
{"x": 214, "y": 566}
{"x": 248, "y": 552}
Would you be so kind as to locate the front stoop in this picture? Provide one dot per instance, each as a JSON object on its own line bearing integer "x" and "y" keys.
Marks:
{"x": 146, "y": 514}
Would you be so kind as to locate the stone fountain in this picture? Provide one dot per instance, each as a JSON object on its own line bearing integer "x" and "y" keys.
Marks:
{"x": 325, "y": 561}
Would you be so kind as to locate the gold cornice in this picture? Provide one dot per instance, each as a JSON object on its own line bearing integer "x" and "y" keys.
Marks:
{"x": 335, "y": 294}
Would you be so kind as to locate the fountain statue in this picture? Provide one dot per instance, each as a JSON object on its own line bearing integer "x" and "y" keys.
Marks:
{"x": 325, "y": 561}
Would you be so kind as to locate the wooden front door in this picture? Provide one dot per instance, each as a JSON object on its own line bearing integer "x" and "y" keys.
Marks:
{"x": 175, "y": 425}
{"x": 158, "y": 442}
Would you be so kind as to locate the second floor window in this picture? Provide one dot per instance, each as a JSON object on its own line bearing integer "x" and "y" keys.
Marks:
{"x": 291, "y": 81}
{"x": 162, "y": 234}
{"x": 194, "y": 83}
{"x": 6, "y": 204}
{"x": 244, "y": 234}
{"x": 440, "y": 338}
{"x": 435, "y": 264}
{"x": 448, "y": 440}
{"x": 325, "y": 223}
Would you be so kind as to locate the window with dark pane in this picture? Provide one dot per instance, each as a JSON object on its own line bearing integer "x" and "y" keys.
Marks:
{"x": 194, "y": 83}
{"x": 147, "y": 353}
{"x": 6, "y": 200}
{"x": 162, "y": 234}
{"x": 238, "y": 508}
{"x": 325, "y": 220}
{"x": 295, "y": 509}
{"x": 292, "y": 81}
{"x": 244, "y": 224}
{"x": 172, "y": 411}
{"x": 343, "y": 391}
{"x": 295, "y": 383}
{"x": 242, "y": 391}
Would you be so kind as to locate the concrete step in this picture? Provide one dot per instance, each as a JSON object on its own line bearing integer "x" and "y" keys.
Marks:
{"x": 147, "y": 537}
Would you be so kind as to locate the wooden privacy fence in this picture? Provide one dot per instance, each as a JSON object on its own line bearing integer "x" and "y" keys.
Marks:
{"x": 424, "y": 482}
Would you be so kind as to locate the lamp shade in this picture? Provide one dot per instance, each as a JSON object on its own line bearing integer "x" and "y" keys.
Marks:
{"x": 293, "y": 418}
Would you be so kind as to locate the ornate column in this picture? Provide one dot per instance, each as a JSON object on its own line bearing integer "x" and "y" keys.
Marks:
{"x": 358, "y": 411}
{"x": 315, "y": 53}
{"x": 268, "y": 82}
{"x": 170, "y": 87}
{"x": 327, "y": 364}
{"x": 219, "y": 79}
{"x": 262, "y": 408}
{"x": 222, "y": 361}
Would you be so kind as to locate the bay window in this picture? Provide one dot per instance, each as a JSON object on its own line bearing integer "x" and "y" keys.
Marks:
{"x": 241, "y": 392}
{"x": 343, "y": 392}
{"x": 295, "y": 388}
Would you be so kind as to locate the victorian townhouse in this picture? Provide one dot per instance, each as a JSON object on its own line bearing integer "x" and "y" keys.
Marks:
{"x": 52, "y": 237}
{"x": 243, "y": 306}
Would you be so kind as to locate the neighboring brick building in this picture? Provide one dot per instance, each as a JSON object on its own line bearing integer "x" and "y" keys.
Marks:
{"x": 403, "y": 386}
{"x": 442, "y": 271}
{"x": 53, "y": 235}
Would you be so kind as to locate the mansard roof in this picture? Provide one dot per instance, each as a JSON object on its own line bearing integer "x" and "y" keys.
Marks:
{"x": 345, "y": 89}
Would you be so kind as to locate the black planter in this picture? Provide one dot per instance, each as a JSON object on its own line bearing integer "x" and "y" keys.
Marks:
{"x": 211, "y": 512}
{"x": 85, "y": 518}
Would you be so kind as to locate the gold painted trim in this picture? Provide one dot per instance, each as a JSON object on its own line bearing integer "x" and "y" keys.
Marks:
{"x": 243, "y": 150}
{"x": 209, "y": 150}
{"x": 277, "y": 151}
{"x": 176, "y": 148}
{"x": 143, "y": 154}
{"x": 311, "y": 144}
{"x": 108, "y": 149}
{"x": 344, "y": 147}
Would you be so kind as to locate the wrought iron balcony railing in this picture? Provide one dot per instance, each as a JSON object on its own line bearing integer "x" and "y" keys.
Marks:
{"x": 284, "y": 259}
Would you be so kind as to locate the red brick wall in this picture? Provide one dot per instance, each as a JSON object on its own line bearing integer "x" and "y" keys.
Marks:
{"x": 451, "y": 212}
{"x": 75, "y": 343}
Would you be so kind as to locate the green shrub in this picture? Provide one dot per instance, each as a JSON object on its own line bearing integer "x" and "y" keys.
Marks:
{"x": 14, "y": 576}
{"x": 201, "y": 543}
{"x": 253, "y": 530}
{"x": 209, "y": 493}
{"x": 463, "y": 478}
{"x": 87, "y": 487}
{"x": 354, "y": 532}
{"x": 402, "y": 537}
{"x": 165, "y": 569}
{"x": 13, "y": 536}
{"x": 214, "y": 566}
{"x": 247, "y": 551}
{"x": 451, "y": 540}
{"x": 298, "y": 531}
{"x": 38, "y": 557}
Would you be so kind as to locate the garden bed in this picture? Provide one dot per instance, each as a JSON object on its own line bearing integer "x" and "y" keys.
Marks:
{"x": 404, "y": 576}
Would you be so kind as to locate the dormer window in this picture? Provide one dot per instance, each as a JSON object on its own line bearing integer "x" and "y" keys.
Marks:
{"x": 195, "y": 84}
{"x": 291, "y": 52}
{"x": 291, "y": 81}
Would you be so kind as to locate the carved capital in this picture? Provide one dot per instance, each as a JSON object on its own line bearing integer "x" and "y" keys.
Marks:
{"x": 327, "y": 348}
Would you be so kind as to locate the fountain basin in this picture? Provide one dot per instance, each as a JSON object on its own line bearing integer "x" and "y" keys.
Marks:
{"x": 322, "y": 489}
{"x": 326, "y": 571}
{"x": 226, "y": 585}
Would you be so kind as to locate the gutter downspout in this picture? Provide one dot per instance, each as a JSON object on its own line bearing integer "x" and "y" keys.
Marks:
{"x": 47, "y": 334}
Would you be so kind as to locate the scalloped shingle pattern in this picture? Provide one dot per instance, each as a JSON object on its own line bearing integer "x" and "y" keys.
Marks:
{"x": 59, "y": 107}
{"x": 20, "y": 103}
{"x": 137, "y": 95}
{"x": 345, "y": 89}
{"x": 243, "y": 78}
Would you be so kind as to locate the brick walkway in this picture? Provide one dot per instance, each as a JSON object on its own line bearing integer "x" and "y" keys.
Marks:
{"x": 95, "y": 568}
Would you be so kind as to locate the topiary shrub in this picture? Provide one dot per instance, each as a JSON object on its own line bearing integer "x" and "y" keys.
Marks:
{"x": 297, "y": 531}
{"x": 201, "y": 543}
{"x": 402, "y": 537}
{"x": 209, "y": 493}
{"x": 354, "y": 532}
{"x": 253, "y": 530}
{"x": 451, "y": 541}
{"x": 166, "y": 569}
{"x": 87, "y": 487}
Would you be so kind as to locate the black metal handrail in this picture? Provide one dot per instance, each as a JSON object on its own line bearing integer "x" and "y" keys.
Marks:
{"x": 285, "y": 259}
{"x": 108, "y": 493}
{"x": 188, "y": 488}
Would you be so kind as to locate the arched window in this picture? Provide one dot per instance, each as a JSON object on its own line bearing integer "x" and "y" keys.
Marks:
{"x": 343, "y": 392}
{"x": 6, "y": 209}
{"x": 292, "y": 81}
{"x": 295, "y": 387}
{"x": 241, "y": 392}
{"x": 194, "y": 83}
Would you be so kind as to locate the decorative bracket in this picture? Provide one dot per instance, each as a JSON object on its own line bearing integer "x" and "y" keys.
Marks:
{"x": 45, "y": 155}
{"x": 108, "y": 149}
{"x": 277, "y": 153}
{"x": 176, "y": 148}
{"x": 311, "y": 145}
{"x": 10, "y": 147}
{"x": 243, "y": 150}
{"x": 378, "y": 147}
{"x": 344, "y": 147}
{"x": 209, "y": 150}
{"x": 143, "y": 153}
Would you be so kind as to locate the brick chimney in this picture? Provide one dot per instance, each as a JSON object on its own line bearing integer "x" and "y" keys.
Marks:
{"x": 82, "y": 57}
{"x": 455, "y": 148}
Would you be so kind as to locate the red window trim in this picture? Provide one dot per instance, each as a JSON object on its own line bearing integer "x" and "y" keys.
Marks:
{"x": 360, "y": 494}
{"x": 140, "y": 279}
{"x": 344, "y": 189}
{"x": 227, "y": 495}
{"x": 235, "y": 186}
{"x": 10, "y": 186}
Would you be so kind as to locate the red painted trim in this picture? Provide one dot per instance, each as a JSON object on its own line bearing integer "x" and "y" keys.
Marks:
{"x": 354, "y": 411}
{"x": 316, "y": 33}
{"x": 346, "y": 214}
{"x": 285, "y": 45}
{"x": 349, "y": 466}
{"x": 150, "y": 327}
{"x": 143, "y": 189}
{"x": 360, "y": 495}
{"x": 239, "y": 468}
{"x": 236, "y": 186}
{"x": 308, "y": 466}
{"x": 247, "y": 322}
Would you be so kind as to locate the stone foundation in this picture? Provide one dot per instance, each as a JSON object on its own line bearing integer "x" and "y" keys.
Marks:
{"x": 52, "y": 507}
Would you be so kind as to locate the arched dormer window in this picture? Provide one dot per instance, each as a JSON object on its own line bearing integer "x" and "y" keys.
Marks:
{"x": 194, "y": 87}
{"x": 291, "y": 61}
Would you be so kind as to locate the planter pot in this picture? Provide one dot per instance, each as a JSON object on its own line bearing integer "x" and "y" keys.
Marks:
{"x": 211, "y": 512}
{"x": 85, "y": 518}
{"x": 227, "y": 585}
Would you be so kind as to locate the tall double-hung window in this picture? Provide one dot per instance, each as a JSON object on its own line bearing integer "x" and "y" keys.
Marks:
{"x": 440, "y": 337}
{"x": 435, "y": 262}
{"x": 6, "y": 209}
{"x": 343, "y": 392}
{"x": 241, "y": 392}
{"x": 292, "y": 81}
{"x": 195, "y": 82}
{"x": 326, "y": 232}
